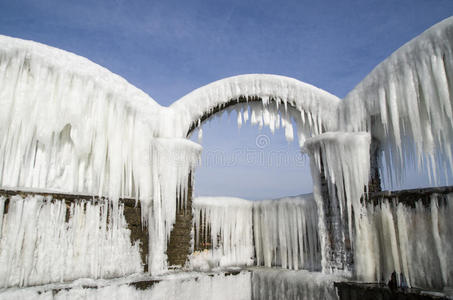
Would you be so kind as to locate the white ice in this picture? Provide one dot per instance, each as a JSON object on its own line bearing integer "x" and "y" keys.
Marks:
{"x": 194, "y": 286}
{"x": 39, "y": 245}
{"x": 281, "y": 232}
{"x": 413, "y": 241}
{"x": 275, "y": 284}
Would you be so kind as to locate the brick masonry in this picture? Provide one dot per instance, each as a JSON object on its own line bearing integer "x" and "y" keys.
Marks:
{"x": 179, "y": 245}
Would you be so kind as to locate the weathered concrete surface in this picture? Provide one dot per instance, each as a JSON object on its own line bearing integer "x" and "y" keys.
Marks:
{"x": 364, "y": 291}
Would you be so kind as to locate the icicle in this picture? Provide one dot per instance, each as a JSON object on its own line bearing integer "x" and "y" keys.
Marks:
{"x": 200, "y": 135}
{"x": 246, "y": 115}
{"x": 239, "y": 119}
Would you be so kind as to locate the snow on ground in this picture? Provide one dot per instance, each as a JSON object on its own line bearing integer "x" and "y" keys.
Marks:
{"x": 174, "y": 286}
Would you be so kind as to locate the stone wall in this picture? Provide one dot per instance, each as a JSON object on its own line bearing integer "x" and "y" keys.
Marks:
{"x": 179, "y": 245}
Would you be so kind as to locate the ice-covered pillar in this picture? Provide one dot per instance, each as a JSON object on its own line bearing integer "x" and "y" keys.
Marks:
{"x": 340, "y": 165}
{"x": 334, "y": 237}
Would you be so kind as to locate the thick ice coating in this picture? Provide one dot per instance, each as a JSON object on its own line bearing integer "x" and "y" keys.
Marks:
{"x": 40, "y": 243}
{"x": 406, "y": 102}
{"x": 190, "y": 286}
{"x": 317, "y": 108}
{"x": 281, "y": 232}
{"x": 414, "y": 241}
{"x": 344, "y": 159}
{"x": 284, "y": 284}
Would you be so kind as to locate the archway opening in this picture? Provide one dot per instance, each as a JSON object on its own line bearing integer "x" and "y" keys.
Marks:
{"x": 252, "y": 182}
{"x": 249, "y": 162}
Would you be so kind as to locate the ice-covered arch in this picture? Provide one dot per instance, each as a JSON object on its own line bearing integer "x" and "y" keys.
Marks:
{"x": 274, "y": 101}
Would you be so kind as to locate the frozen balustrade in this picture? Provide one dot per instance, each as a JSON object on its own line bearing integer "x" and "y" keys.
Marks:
{"x": 281, "y": 232}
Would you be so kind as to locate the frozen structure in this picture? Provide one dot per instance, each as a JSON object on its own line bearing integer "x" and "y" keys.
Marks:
{"x": 69, "y": 125}
{"x": 41, "y": 244}
{"x": 281, "y": 232}
{"x": 226, "y": 225}
{"x": 414, "y": 240}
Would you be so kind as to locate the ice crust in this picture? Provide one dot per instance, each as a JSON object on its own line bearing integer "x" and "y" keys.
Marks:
{"x": 415, "y": 241}
{"x": 38, "y": 245}
{"x": 284, "y": 284}
{"x": 344, "y": 159}
{"x": 195, "y": 286}
{"x": 316, "y": 109}
{"x": 255, "y": 284}
{"x": 406, "y": 103}
{"x": 281, "y": 232}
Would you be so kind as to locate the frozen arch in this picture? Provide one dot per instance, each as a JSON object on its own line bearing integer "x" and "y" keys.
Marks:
{"x": 313, "y": 109}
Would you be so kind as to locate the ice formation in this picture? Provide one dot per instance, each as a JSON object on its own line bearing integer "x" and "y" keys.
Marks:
{"x": 281, "y": 232}
{"x": 406, "y": 102}
{"x": 286, "y": 233}
{"x": 344, "y": 159}
{"x": 227, "y": 224}
{"x": 191, "y": 286}
{"x": 316, "y": 108}
{"x": 40, "y": 243}
{"x": 68, "y": 124}
{"x": 173, "y": 161}
{"x": 284, "y": 284}
{"x": 414, "y": 241}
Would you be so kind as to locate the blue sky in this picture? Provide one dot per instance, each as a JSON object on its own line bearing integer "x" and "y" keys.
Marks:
{"x": 168, "y": 48}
